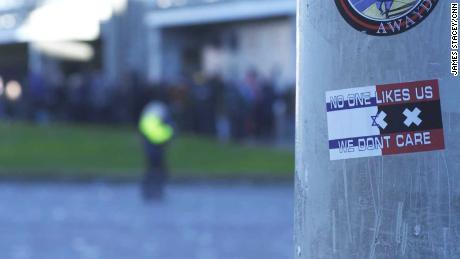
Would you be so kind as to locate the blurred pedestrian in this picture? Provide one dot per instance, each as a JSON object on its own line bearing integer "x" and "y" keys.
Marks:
{"x": 204, "y": 108}
{"x": 250, "y": 90}
{"x": 263, "y": 112}
{"x": 157, "y": 131}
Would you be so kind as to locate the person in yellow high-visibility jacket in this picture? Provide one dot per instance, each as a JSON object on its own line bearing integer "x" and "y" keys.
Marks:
{"x": 156, "y": 133}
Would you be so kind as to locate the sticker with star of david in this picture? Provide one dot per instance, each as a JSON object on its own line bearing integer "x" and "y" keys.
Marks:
{"x": 384, "y": 120}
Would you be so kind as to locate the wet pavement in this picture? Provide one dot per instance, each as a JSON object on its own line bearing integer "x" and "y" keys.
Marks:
{"x": 103, "y": 221}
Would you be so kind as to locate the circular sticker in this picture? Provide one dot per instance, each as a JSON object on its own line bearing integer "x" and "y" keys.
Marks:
{"x": 385, "y": 17}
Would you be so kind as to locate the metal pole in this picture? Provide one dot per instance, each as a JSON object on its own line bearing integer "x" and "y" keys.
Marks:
{"x": 395, "y": 206}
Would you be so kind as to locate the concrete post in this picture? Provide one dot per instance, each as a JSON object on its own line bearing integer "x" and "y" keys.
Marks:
{"x": 399, "y": 206}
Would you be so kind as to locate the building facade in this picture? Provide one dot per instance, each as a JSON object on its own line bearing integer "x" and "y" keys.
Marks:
{"x": 160, "y": 41}
{"x": 227, "y": 38}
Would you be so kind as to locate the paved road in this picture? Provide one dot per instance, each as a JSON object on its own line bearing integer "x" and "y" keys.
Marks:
{"x": 99, "y": 221}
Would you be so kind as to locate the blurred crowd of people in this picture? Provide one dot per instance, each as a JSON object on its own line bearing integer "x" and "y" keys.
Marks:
{"x": 236, "y": 110}
{"x": 248, "y": 108}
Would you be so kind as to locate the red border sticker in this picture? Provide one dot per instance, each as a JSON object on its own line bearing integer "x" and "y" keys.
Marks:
{"x": 385, "y": 17}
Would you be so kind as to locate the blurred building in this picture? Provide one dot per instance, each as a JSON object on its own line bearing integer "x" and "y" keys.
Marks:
{"x": 232, "y": 62}
{"x": 158, "y": 40}
{"x": 13, "y": 52}
{"x": 227, "y": 37}
{"x": 49, "y": 37}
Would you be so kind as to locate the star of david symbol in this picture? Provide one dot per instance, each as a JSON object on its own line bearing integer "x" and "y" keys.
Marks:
{"x": 379, "y": 120}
